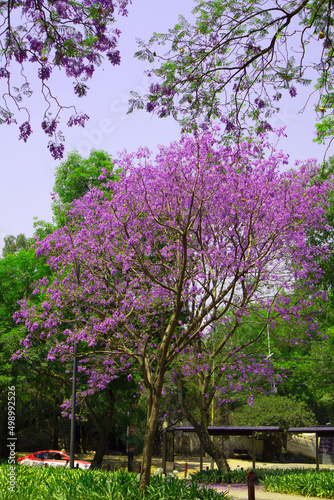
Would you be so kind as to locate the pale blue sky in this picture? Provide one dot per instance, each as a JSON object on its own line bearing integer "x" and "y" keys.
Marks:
{"x": 27, "y": 170}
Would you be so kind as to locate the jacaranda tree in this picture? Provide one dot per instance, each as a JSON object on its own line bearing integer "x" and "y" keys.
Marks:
{"x": 236, "y": 61}
{"x": 38, "y": 37}
{"x": 186, "y": 240}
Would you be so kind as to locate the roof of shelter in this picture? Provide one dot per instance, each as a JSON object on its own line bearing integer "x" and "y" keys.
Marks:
{"x": 246, "y": 431}
{"x": 321, "y": 431}
{"x": 232, "y": 430}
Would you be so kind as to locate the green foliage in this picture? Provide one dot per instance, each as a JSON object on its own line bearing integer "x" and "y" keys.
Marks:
{"x": 321, "y": 376}
{"x": 14, "y": 244}
{"x": 66, "y": 484}
{"x": 76, "y": 176}
{"x": 215, "y": 476}
{"x": 38, "y": 394}
{"x": 42, "y": 228}
{"x": 310, "y": 367}
{"x": 19, "y": 274}
{"x": 275, "y": 411}
{"x": 306, "y": 482}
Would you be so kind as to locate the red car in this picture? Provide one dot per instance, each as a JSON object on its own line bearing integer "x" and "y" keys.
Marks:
{"x": 51, "y": 458}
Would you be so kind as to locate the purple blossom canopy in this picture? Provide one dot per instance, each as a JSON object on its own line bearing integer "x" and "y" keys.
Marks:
{"x": 180, "y": 242}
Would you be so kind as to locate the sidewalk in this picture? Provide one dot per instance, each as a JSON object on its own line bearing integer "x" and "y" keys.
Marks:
{"x": 240, "y": 492}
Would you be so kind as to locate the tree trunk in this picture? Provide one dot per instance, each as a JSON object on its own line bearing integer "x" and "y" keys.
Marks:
{"x": 99, "y": 452}
{"x": 82, "y": 439}
{"x": 55, "y": 431}
{"x": 56, "y": 424}
{"x": 104, "y": 428}
{"x": 212, "y": 449}
{"x": 154, "y": 389}
{"x": 201, "y": 429}
{"x": 150, "y": 431}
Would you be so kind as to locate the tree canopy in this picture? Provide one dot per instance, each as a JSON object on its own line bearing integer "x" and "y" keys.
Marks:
{"x": 186, "y": 240}
{"x": 35, "y": 39}
{"x": 278, "y": 410}
{"x": 236, "y": 61}
{"x": 75, "y": 176}
{"x": 14, "y": 243}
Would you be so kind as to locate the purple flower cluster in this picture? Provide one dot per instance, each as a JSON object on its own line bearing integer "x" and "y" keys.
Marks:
{"x": 20, "y": 55}
{"x": 36, "y": 46}
{"x": 277, "y": 96}
{"x": 49, "y": 126}
{"x": 25, "y": 131}
{"x": 56, "y": 149}
{"x": 80, "y": 89}
{"x": 114, "y": 57}
{"x": 150, "y": 106}
{"x": 229, "y": 125}
{"x": 155, "y": 88}
{"x": 259, "y": 102}
{"x": 292, "y": 91}
{"x": 162, "y": 90}
{"x": 4, "y": 73}
{"x": 263, "y": 127}
{"x": 77, "y": 120}
{"x": 44, "y": 72}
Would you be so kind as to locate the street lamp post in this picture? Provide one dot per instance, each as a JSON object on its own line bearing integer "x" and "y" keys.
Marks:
{"x": 74, "y": 382}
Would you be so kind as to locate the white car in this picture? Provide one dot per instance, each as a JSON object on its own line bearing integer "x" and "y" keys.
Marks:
{"x": 51, "y": 458}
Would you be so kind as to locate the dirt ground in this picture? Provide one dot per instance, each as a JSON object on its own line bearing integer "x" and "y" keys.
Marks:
{"x": 120, "y": 461}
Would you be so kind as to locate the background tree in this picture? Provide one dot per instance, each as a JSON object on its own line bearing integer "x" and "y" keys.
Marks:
{"x": 14, "y": 243}
{"x": 71, "y": 36}
{"x": 280, "y": 411}
{"x": 75, "y": 176}
{"x": 309, "y": 375}
{"x": 219, "y": 370}
{"x": 179, "y": 237}
{"x": 275, "y": 411}
{"x": 39, "y": 393}
{"x": 237, "y": 60}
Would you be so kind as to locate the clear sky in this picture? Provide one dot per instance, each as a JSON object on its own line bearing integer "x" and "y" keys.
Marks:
{"x": 27, "y": 169}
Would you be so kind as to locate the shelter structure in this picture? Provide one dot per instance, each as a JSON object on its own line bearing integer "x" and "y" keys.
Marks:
{"x": 320, "y": 432}
{"x": 169, "y": 435}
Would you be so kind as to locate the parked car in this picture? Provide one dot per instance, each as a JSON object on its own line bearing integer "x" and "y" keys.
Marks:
{"x": 51, "y": 458}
